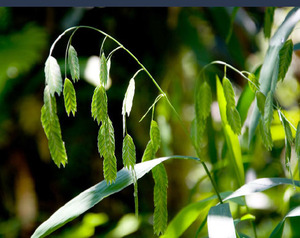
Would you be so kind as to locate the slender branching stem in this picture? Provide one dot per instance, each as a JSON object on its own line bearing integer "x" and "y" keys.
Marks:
{"x": 157, "y": 86}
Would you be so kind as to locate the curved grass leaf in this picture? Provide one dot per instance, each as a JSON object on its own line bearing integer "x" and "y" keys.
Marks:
{"x": 160, "y": 217}
{"x": 278, "y": 231}
{"x": 287, "y": 130}
{"x": 220, "y": 222}
{"x": 94, "y": 195}
{"x": 269, "y": 71}
{"x": 203, "y": 101}
{"x": 106, "y": 147}
{"x": 285, "y": 58}
{"x": 260, "y": 185}
{"x": 297, "y": 142}
{"x": 51, "y": 125}
{"x": 268, "y": 110}
{"x": 228, "y": 92}
{"x": 53, "y": 76}
{"x": 232, "y": 140}
{"x": 69, "y": 97}
{"x": 128, "y": 152}
{"x": 234, "y": 120}
{"x": 155, "y": 135}
{"x": 268, "y": 21}
{"x": 149, "y": 152}
{"x": 184, "y": 219}
{"x": 103, "y": 71}
{"x": 266, "y": 136}
{"x": 73, "y": 64}
{"x": 99, "y": 104}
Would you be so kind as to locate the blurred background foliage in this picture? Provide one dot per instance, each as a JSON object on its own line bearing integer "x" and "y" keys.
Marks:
{"x": 174, "y": 44}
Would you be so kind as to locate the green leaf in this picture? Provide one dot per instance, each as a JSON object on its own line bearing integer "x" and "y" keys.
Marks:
{"x": 220, "y": 222}
{"x": 228, "y": 92}
{"x": 253, "y": 82}
{"x": 149, "y": 152}
{"x": 269, "y": 70}
{"x": 285, "y": 58}
{"x": 197, "y": 130}
{"x": 103, "y": 71}
{"x": 268, "y": 110}
{"x": 106, "y": 148}
{"x": 268, "y": 21}
{"x": 50, "y": 123}
{"x": 99, "y": 104}
{"x": 265, "y": 135}
{"x": 73, "y": 64}
{"x": 69, "y": 97}
{"x": 128, "y": 100}
{"x": 260, "y": 185}
{"x": 234, "y": 119}
{"x": 184, "y": 219}
{"x": 244, "y": 103}
{"x": 260, "y": 101}
{"x": 232, "y": 140}
{"x": 203, "y": 101}
{"x": 297, "y": 142}
{"x": 287, "y": 129}
{"x": 278, "y": 231}
{"x": 160, "y": 217}
{"x": 53, "y": 76}
{"x": 155, "y": 135}
{"x": 94, "y": 195}
{"x": 128, "y": 152}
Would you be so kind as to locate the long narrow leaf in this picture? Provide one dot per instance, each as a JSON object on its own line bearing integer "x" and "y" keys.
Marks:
{"x": 235, "y": 156}
{"x": 269, "y": 71}
{"x": 277, "y": 232}
{"x": 220, "y": 222}
{"x": 95, "y": 194}
{"x": 260, "y": 185}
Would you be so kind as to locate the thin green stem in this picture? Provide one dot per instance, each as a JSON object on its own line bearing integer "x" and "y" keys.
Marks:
{"x": 157, "y": 86}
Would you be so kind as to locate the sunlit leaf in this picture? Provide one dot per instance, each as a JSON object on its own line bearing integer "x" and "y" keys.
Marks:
{"x": 160, "y": 217}
{"x": 99, "y": 104}
{"x": 94, "y": 195}
{"x": 278, "y": 231}
{"x": 155, "y": 135}
{"x": 149, "y": 152}
{"x": 53, "y": 76}
{"x": 269, "y": 70}
{"x": 103, "y": 71}
{"x": 260, "y": 185}
{"x": 268, "y": 21}
{"x": 184, "y": 219}
{"x": 228, "y": 92}
{"x": 285, "y": 58}
{"x": 106, "y": 147}
{"x": 234, "y": 119}
{"x": 128, "y": 152}
{"x": 220, "y": 222}
{"x": 203, "y": 101}
{"x": 69, "y": 97}
{"x": 232, "y": 140}
{"x": 128, "y": 100}
{"x": 73, "y": 63}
